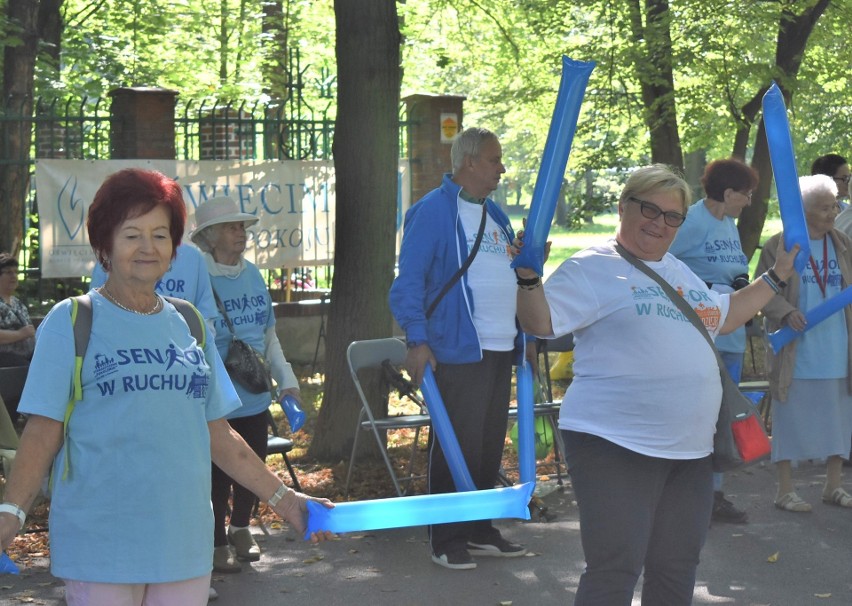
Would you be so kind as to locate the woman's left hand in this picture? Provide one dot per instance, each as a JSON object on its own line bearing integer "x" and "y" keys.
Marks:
{"x": 293, "y": 508}
{"x": 784, "y": 260}
{"x": 291, "y": 391}
{"x": 515, "y": 249}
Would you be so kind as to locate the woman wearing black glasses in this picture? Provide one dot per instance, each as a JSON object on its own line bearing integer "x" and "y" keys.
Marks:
{"x": 639, "y": 417}
{"x": 836, "y": 167}
{"x": 709, "y": 243}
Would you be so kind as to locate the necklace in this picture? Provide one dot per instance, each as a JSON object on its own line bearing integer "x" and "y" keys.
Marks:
{"x": 112, "y": 298}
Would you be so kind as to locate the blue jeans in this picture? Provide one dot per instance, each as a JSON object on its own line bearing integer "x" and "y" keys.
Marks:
{"x": 637, "y": 512}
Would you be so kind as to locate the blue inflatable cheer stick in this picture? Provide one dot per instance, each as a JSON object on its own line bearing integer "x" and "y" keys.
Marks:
{"x": 295, "y": 415}
{"x": 421, "y": 510}
{"x": 563, "y": 125}
{"x": 786, "y": 177}
{"x": 526, "y": 423}
{"x": 444, "y": 432}
{"x": 782, "y": 336}
{"x": 7, "y": 566}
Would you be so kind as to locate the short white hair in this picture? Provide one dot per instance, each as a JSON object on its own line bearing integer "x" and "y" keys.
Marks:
{"x": 814, "y": 187}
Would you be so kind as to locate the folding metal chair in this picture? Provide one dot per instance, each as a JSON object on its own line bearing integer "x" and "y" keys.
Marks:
{"x": 377, "y": 353}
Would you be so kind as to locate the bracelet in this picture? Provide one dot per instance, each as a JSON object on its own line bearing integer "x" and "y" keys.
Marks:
{"x": 279, "y": 494}
{"x": 781, "y": 283}
{"x": 536, "y": 281}
{"x": 771, "y": 282}
{"x": 530, "y": 286}
{"x": 14, "y": 509}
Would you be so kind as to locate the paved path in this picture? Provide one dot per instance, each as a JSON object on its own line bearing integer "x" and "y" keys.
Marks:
{"x": 814, "y": 561}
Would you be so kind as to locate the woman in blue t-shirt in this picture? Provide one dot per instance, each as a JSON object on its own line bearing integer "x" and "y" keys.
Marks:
{"x": 245, "y": 312}
{"x": 709, "y": 243}
{"x": 130, "y": 500}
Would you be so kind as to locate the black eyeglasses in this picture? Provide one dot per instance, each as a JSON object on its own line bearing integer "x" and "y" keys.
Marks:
{"x": 650, "y": 210}
{"x": 843, "y": 179}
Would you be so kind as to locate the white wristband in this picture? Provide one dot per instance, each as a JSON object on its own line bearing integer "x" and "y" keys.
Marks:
{"x": 279, "y": 494}
{"x": 14, "y": 509}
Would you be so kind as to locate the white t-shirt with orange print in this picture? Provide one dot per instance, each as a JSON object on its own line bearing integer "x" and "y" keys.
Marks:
{"x": 644, "y": 377}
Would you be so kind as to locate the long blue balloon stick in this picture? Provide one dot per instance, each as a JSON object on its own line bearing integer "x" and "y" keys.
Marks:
{"x": 782, "y": 336}
{"x": 444, "y": 432}
{"x": 526, "y": 423}
{"x": 786, "y": 178}
{"x": 563, "y": 126}
{"x": 420, "y": 510}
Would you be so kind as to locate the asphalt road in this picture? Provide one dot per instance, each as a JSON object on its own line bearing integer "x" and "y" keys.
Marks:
{"x": 778, "y": 559}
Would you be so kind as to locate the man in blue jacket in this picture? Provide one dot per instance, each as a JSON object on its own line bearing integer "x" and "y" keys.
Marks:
{"x": 464, "y": 327}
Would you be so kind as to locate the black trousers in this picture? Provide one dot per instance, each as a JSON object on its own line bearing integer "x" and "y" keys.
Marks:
{"x": 253, "y": 430}
{"x": 477, "y": 400}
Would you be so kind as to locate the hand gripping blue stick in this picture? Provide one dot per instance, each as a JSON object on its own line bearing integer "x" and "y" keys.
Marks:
{"x": 526, "y": 423}
{"x": 786, "y": 179}
{"x": 421, "y": 510}
{"x": 444, "y": 432}
{"x": 782, "y": 336}
{"x": 563, "y": 125}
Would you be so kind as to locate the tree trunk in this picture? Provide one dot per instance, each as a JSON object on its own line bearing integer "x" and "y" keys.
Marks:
{"x": 366, "y": 156}
{"x": 18, "y": 70}
{"x": 793, "y": 34}
{"x": 653, "y": 65}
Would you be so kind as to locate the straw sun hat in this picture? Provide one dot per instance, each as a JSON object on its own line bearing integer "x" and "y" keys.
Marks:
{"x": 214, "y": 211}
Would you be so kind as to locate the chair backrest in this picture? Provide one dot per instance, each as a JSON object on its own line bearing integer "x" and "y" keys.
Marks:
{"x": 371, "y": 353}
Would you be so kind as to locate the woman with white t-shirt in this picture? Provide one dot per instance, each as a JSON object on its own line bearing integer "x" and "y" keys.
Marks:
{"x": 639, "y": 417}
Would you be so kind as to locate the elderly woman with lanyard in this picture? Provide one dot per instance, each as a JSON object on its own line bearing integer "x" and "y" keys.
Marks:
{"x": 245, "y": 312}
{"x": 709, "y": 243}
{"x": 639, "y": 417}
{"x": 130, "y": 504}
{"x": 810, "y": 379}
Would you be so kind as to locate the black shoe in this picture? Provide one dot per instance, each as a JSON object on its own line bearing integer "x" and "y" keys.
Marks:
{"x": 497, "y": 548}
{"x": 457, "y": 559}
{"x": 724, "y": 510}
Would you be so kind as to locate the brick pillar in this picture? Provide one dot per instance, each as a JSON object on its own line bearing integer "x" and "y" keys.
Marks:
{"x": 143, "y": 123}
{"x": 434, "y": 121}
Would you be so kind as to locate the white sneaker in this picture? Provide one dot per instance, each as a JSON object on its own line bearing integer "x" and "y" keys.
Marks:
{"x": 212, "y": 596}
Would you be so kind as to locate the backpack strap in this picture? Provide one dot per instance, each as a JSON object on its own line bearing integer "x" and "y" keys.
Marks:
{"x": 190, "y": 313}
{"x": 81, "y": 322}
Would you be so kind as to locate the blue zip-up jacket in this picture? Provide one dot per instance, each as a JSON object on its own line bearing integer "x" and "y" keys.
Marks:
{"x": 434, "y": 247}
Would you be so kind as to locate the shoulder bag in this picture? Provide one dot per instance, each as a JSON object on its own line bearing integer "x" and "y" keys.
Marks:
{"x": 244, "y": 363}
{"x": 740, "y": 437}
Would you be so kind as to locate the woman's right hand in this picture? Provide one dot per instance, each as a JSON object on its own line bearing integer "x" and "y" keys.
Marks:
{"x": 795, "y": 320}
{"x": 27, "y": 332}
{"x": 9, "y": 527}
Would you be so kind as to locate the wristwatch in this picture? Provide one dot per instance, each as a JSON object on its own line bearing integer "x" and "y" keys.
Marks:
{"x": 14, "y": 509}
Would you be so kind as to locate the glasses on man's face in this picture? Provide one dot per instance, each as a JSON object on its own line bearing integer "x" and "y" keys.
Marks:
{"x": 845, "y": 179}
{"x": 650, "y": 210}
{"x": 747, "y": 194}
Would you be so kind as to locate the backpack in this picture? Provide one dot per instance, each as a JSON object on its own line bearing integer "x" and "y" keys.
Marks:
{"x": 81, "y": 321}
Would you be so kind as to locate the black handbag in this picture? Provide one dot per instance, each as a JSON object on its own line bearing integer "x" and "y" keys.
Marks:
{"x": 740, "y": 437}
{"x": 245, "y": 365}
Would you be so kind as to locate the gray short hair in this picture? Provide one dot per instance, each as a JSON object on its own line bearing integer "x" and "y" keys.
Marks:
{"x": 656, "y": 178}
{"x": 814, "y": 185}
{"x": 468, "y": 144}
{"x": 207, "y": 238}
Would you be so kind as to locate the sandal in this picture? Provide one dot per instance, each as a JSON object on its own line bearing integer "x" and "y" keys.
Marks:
{"x": 793, "y": 502}
{"x": 839, "y": 497}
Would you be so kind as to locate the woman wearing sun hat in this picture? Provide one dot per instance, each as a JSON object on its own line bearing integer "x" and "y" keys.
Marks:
{"x": 242, "y": 294}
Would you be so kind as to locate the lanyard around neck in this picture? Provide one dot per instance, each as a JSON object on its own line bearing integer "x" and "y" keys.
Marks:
{"x": 822, "y": 281}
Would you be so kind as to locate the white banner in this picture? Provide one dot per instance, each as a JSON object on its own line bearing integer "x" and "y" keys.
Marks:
{"x": 294, "y": 201}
